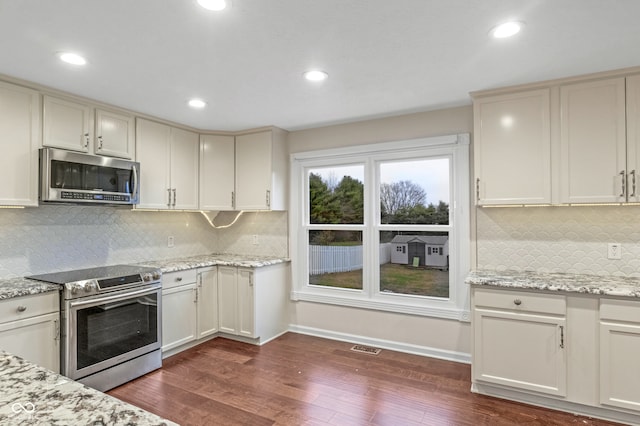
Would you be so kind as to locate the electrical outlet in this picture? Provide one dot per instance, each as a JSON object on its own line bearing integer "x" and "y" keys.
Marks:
{"x": 614, "y": 251}
{"x": 170, "y": 241}
{"x": 255, "y": 240}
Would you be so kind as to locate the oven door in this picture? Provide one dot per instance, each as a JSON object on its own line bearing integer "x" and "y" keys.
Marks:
{"x": 107, "y": 330}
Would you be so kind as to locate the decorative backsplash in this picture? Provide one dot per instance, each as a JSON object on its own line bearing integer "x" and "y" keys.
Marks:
{"x": 559, "y": 239}
{"x": 56, "y": 237}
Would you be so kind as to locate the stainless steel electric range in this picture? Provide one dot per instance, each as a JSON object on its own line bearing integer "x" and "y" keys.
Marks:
{"x": 111, "y": 319}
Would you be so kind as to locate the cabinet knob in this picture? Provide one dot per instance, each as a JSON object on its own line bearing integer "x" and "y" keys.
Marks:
{"x": 179, "y": 279}
{"x": 518, "y": 302}
{"x": 21, "y": 308}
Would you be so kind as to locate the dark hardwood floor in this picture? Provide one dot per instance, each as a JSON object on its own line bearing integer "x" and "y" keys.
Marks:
{"x": 303, "y": 380}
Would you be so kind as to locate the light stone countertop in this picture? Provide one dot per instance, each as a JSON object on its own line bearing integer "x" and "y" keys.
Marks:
{"x": 16, "y": 287}
{"x": 572, "y": 283}
{"x": 203, "y": 261}
{"x": 32, "y": 395}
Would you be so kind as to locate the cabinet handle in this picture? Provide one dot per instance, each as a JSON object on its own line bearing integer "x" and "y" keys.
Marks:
{"x": 633, "y": 183}
{"x": 268, "y": 198}
{"x": 174, "y": 197}
{"x": 196, "y": 295}
{"x": 178, "y": 279}
{"x": 624, "y": 183}
{"x": 562, "y": 336}
{"x": 169, "y": 194}
{"x": 99, "y": 142}
{"x": 233, "y": 199}
{"x": 21, "y": 308}
{"x": 57, "y": 330}
{"x": 518, "y": 302}
{"x": 86, "y": 140}
{"x": 478, "y": 190}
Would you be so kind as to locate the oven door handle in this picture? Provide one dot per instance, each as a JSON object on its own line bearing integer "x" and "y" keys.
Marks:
{"x": 119, "y": 296}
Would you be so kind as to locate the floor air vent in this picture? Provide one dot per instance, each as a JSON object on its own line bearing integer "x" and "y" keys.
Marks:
{"x": 366, "y": 349}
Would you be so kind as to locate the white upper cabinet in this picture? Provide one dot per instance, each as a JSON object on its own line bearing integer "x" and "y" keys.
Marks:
{"x": 633, "y": 138}
{"x": 115, "y": 135}
{"x": 20, "y": 135}
{"x": 593, "y": 142}
{"x": 168, "y": 166}
{"x": 261, "y": 171}
{"x": 67, "y": 124}
{"x": 512, "y": 148}
{"x": 217, "y": 172}
{"x": 185, "y": 148}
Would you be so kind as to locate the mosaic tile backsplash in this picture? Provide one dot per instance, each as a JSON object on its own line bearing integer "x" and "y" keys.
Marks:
{"x": 559, "y": 239}
{"x": 55, "y": 238}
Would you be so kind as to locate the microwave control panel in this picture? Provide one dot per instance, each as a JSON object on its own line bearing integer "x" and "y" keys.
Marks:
{"x": 70, "y": 195}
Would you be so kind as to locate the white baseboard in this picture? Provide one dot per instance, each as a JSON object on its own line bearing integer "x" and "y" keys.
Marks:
{"x": 384, "y": 344}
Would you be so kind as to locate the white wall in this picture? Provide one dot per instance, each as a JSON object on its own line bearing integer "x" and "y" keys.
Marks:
{"x": 432, "y": 336}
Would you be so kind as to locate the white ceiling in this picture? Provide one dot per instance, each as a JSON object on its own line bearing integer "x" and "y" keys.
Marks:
{"x": 384, "y": 57}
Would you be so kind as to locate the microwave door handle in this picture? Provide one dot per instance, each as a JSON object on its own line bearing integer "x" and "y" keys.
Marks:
{"x": 135, "y": 182}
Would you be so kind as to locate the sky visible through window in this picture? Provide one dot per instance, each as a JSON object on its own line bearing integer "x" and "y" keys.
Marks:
{"x": 432, "y": 175}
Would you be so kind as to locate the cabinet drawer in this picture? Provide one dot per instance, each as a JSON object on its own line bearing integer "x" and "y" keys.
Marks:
{"x": 174, "y": 279}
{"x": 520, "y": 301}
{"x": 22, "y": 307}
{"x": 620, "y": 310}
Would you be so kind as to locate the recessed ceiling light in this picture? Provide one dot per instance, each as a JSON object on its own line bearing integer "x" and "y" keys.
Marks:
{"x": 507, "y": 29}
{"x": 316, "y": 75}
{"x": 72, "y": 58}
{"x": 216, "y": 5}
{"x": 197, "y": 103}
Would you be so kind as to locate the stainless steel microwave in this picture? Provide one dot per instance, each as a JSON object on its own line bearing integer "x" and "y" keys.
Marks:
{"x": 73, "y": 177}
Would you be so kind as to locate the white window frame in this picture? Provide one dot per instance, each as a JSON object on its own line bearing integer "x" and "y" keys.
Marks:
{"x": 455, "y": 147}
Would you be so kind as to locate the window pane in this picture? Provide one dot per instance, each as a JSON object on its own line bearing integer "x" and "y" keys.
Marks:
{"x": 335, "y": 259}
{"x": 415, "y": 192}
{"x": 336, "y": 195}
{"x": 415, "y": 263}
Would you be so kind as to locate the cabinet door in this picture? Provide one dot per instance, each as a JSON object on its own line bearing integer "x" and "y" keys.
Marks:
{"x": 520, "y": 350}
{"x": 207, "y": 302}
{"x": 619, "y": 367}
{"x": 185, "y": 147}
{"x": 633, "y": 137}
{"x": 115, "y": 135}
{"x": 20, "y": 134}
{"x": 246, "y": 316}
{"x": 67, "y": 124}
{"x": 217, "y": 172}
{"x": 253, "y": 171}
{"x": 178, "y": 316}
{"x": 153, "y": 153}
{"x": 36, "y": 339}
{"x": 227, "y": 299}
{"x": 593, "y": 142}
{"x": 512, "y": 149}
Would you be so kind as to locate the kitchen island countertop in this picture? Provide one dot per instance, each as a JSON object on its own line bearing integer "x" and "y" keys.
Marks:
{"x": 32, "y": 395}
{"x": 558, "y": 282}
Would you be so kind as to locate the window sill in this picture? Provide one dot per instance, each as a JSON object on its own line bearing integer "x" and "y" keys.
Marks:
{"x": 444, "y": 312}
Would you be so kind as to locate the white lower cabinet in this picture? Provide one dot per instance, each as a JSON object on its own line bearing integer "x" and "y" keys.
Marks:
{"x": 30, "y": 329}
{"x": 567, "y": 351}
{"x": 253, "y": 301}
{"x": 619, "y": 352}
{"x": 207, "y": 296}
{"x": 519, "y": 341}
{"x": 179, "y": 310}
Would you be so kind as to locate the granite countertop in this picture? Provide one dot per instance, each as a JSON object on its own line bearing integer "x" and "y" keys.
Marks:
{"x": 16, "y": 287}
{"x": 32, "y": 395}
{"x": 573, "y": 283}
{"x": 203, "y": 261}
